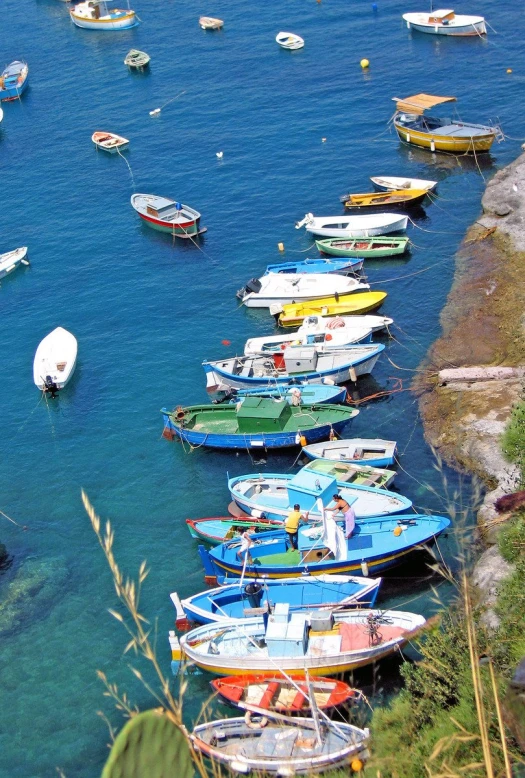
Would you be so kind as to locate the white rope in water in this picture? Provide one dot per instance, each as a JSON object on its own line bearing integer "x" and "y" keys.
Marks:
{"x": 129, "y": 168}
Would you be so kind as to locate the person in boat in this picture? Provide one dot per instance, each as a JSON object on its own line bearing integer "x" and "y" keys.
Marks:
{"x": 244, "y": 550}
{"x": 291, "y": 525}
{"x": 342, "y": 506}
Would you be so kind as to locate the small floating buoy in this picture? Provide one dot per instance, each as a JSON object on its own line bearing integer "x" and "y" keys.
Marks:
{"x": 509, "y": 70}
{"x": 356, "y": 765}
{"x": 226, "y": 342}
{"x": 374, "y": 6}
{"x": 364, "y": 63}
{"x": 155, "y": 112}
{"x": 323, "y": 140}
{"x": 280, "y": 246}
{"x": 432, "y": 145}
{"x": 364, "y": 568}
{"x": 219, "y": 154}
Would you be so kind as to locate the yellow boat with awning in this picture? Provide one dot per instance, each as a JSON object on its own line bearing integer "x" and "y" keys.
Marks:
{"x": 343, "y": 305}
{"x": 457, "y": 137}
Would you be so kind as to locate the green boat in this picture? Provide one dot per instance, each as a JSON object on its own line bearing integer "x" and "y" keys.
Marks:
{"x": 255, "y": 423}
{"x": 369, "y": 248}
{"x": 361, "y": 475}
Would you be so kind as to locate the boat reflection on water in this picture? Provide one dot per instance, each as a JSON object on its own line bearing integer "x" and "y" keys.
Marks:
{"x": 443, "y": 161}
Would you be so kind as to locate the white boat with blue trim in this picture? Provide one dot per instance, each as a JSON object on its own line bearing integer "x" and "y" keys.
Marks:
{"x": 97, "y": 15}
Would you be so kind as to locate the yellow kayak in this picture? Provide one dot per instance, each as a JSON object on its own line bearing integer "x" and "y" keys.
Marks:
{"x": 344, "y": 305}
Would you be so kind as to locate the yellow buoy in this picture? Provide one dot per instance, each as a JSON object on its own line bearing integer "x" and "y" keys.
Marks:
{"x": 509, "y": 70}
{"x": 303, "y": 441}
{"x": 280, "y": 246}
{"x": 397, "y": 531}
{"x": 356, "y": 765}
{"x": 365, "y": 63}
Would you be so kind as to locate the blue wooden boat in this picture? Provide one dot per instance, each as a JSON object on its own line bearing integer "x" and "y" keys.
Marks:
{"x": 303, "y": 595}
{"x": 257, "y": 422}
{"x": 375, "y": 545}
{"x": 274, "y": 494}
{"x": 13, "y": 80}
{"x": 357, "y": 451}
{"x": 311, "y": 394}
{"x": 317, "y": 265}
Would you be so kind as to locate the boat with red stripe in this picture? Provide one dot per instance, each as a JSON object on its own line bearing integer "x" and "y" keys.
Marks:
{"x": 167, "y": 215}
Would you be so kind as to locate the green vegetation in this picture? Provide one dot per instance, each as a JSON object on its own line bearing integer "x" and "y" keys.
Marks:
{"x": 513, "y": 442}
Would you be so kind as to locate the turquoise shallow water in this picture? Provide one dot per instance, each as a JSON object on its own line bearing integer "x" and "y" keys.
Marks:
{"x": 146, "y": 312}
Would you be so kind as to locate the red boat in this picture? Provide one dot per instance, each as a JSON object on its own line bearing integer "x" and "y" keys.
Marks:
{"x": 260, "y": 692}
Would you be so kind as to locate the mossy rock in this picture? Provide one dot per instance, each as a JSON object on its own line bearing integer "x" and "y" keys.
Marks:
{"x": 150, "y": 746}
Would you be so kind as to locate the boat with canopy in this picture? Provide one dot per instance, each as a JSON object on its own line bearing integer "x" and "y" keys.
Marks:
{"x": 167, "y": 215}
{"x": 457, "y": 137}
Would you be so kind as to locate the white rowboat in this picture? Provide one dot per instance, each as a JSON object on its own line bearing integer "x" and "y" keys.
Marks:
{"x": 326, "y": 332}
{"x": 55, "y": 360}
{"x": 367, "y": 226}
{"x": 11, "y": 260}
{"x": 391, "y": 183}
{"x": 288, "y": 40}
{"x": 109, "y": 141}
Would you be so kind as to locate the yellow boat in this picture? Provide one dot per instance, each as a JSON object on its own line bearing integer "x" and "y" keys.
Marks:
{"x": 382, "y": 200}
{"x": 343, "y": 305}
{"x": 429, "y": 132}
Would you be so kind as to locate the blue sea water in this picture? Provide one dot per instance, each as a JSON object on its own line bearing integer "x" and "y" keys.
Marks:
{"x": 146, "y": 311}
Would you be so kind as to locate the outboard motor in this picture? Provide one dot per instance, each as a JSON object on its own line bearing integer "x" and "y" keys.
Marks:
{"x": 50, "y": 386}
{"x": 254, "y": 592}
{"x": 253, "y": 285}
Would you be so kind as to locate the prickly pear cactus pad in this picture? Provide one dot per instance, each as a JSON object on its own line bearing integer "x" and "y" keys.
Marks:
{"x": 150, "y": 746}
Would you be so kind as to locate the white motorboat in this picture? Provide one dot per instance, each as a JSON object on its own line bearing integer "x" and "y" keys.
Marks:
{"x": 283, "y": 289}
{"x": 55, "y": 361}
{"x": 97, "y": 15}
{"x": 288, "y": 40}
{"x": 12, "y": 259}
{"x": 445, "y": 22}
{"x": 323, "y": 332}
{"x": 391, "y": 183}
{"x": 366, "y": 226}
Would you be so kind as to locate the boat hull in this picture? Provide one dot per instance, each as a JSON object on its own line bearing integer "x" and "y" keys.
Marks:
{"x": 185, "y": 230}
{"x": 354, "y": 304}
{"x": 451, "y": 143}
{"x": 454, "y": 28}
{"x": 121, "y": 22}
{"x": 12, "y": 260}
{"x": 216, "y": 530}
{"x": 399, "y": 225}
{"x": 387, "y": 248}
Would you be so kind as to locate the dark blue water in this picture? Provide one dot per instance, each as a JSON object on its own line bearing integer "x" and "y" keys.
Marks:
{"x": 146, "y": 312}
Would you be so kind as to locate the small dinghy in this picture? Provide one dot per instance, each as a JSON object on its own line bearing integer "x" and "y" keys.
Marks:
{"x": 304, "y": 746}
{"x": 109, "y": 141}
{"x": 324, "y": 333}
{"x": 13, "y": 80}
{"x": 305, "y": 363}
{"x": 210, "y": 23}
{"x": 316, "y": 265}
{"x": 369, "y": 248}
{"x": 273, "y": 495}
{"x": 12, "y": 259}
{"x": 295, "y": 393}
{"x": 357, "y": 303}
{"x": 288, "y": 40}
{"x": 277, "y": 288}
{"x": 279, "y": 694}
{"x": 324, "y": 643}
{"x": 366, "y": 226}
{"x": 167, "y": 215}
{"x": 400, "y": 198}
{"x": 445, "y": 22}
{"x": 256, "y": 422}
{"x": 365, "y": 451}
{"x": 97, "y": 15}
{"x": 55, "y": 361}
{"x": 304, "y": 594}
{"x": 391, "y": 183}
{"x": 349, "y": 473}
{"x": 137, "y": 60}
{"x": 217, "y": 530}
{"x": 376, "y": 545}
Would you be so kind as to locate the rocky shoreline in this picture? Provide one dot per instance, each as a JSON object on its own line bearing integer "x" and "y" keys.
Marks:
{"x": 466, "y": 397}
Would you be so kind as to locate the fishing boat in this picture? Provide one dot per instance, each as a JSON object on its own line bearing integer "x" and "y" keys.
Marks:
{"x": 369, "y": 248}
{"x": 295, "y": 393}
{"x": 288, "y": 40}
{"x": 273, "y": 495}
{"x": 276, "y": 693}
{"x": 256, "y": 422}
{"x": 316, "y": 265}
{"x": 457, "y": 137}
{"x": 391, "y": 183}
{"x": 1, "y": 114}
{"x": 349, "y": 473}
{"x": 55, "y": 361}
{"x": 400, "y": 198}
{"x": 323, "y": 332}
{"x": 276, "y": 288}
{"x": 445, "y": 22}
{"x": 305, "y": 363}
{"x": 217, "y": 530}
{"x": 136, "y": 59}
{"x": 351, "y": 304}
{"x": 304, "y": 746}
{"x": 14, "y": 80}
{"x": 167, "y": 215}
{"x": 210, "y": 23}
{"x": 322, "y": 644}
{"x": 12, "y": 259}
{"x": 376, "y": 545}
{"x": 97, "y": 15}
{"x": 362, "y": 226}
{"x": 363, "y": 451}
{"x": 109, "y": 141}
{"x": 304, "y": 594}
